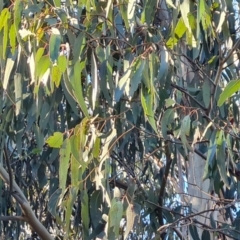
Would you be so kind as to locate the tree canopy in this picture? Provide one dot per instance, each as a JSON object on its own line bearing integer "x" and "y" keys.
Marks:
{"x": 119, "y": 119}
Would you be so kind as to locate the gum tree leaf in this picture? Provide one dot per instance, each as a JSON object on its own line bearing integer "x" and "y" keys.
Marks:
{"x": 206, "y": 91}
{"x": 65, "y": 153}
{"x": 56, "y": 140}
{"x": 94, "y": 77}
{"x": 18, "y": 92}
{"x": 115, "y": 216}
{"x": 77, "y": 86}
{"x": 166, "y": 120}
{"x": 123, "y": 82}
{"x": 54, "y": 44}
{"x": 221, "y": 158}
{"x": 232, "y": 87}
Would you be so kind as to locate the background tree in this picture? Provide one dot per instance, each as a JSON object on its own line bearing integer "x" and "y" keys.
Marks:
{"x": 119, "y": 119}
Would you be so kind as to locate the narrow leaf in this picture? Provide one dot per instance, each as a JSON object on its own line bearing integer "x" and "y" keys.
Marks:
{"x": 94, "y": 78}
{"x": 232, "y": 87}
{"x": 54, "y": 45}
{"x": 56, "y": 140}
{"x": 65, "y": 152}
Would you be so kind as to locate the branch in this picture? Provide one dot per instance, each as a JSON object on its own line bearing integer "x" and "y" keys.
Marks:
{"x": 13, "y": 218}
{"x": 29, "y": 215}
{"x": 185, "y": 91}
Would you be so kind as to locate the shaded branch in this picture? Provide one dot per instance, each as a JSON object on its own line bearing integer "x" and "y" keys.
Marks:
{"x": 13, "y": 218}
{"x": 29, "y": 215}
{"x": 189, "y": 95}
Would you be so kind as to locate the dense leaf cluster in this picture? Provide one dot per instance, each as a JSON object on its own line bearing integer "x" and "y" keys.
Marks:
{"x": 119, "y": 119}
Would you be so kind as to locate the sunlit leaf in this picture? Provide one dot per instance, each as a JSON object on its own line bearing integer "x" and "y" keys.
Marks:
{"x": 56, "y": 140}
{"x": 232, "y": 87}
{"x": 94, "y": 77}
{"x": 56, "y": 75}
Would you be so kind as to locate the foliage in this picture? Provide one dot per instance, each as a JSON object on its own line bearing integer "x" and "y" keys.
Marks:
{"x": 106, "y": 107}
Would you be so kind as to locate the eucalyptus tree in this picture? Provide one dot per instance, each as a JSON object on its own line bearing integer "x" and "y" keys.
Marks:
{"x": 119, "y": 119}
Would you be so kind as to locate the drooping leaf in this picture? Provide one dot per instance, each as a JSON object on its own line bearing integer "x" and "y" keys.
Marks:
{"x": 115, "y": 216}
{"x": 178, "y": 33}
{"x": 166, "y": 120}
{"x": 8, "y": 70}
{"x": 54, "y": 44}
{"x": 56, "y": 75}
{"x": 205, "y": 235}
{"x": 70, "y": 201}
{"x": 194, "y": 232}
{"x": 221, "y": 158}
{"x": 232, "y": 87}
{"x": 94, "y": 78}
{"x": 56, "y": 140}
{"x": 123, "y": 82}
{"x": 132, "y": 213}
{"x": 77, "y": 86}
{"x": 147, "y": 104}
{"x": 18, "y": 92}
{"x": 65, "y": 152}
{"x": 206, "y": 91}
{"x": 85, "y": 213}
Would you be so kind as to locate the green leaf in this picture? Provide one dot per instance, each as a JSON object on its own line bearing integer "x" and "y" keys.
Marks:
{"x": 79, "y": 44}
{"x": 123, "y": 82}
{"x": 54, "y": 44}
{"x": 221, "y": 156}
{"x": 232, "y": 87}
{"x": 147, "y": 104}
{"x": 95, "y": 209}
{"x": 18, "y": 92}
{"x": 136, "y": 77}
{"x": 186, "y": 125}
{"x": 8, "y": 70}
{"x": 3, "y": 17}
{"x": 206, "y": 92}
{"x": 5, "y": 38}
{"x": 131, "y": 14}
{"x": 205, "y": 235}
{"x": 85, "y": 213}
{"x": 74, "y": 170}
{"x": 62, "y": 63}
{"x": 178, "y": 33}
{"x": 39, "y": 54}
{"x": 94, "y": 78}
{"x": 70, "y": 201}
{"x": 167, "y": 119}
{"x": 115, "y": 216}
{"x": 77, "y": 86}
{"x": 53, "y": 202}
{"x": 56, "y": 140}
{"x": 56, "y": 75}
{"x": 169, "y": 102}
{"x": 65, "y": 153}
{"x": 194, "y": 232}
{"x": 132, "y": 213}
{"x": 42, "y": 66}
{"x": 12, "y": 38}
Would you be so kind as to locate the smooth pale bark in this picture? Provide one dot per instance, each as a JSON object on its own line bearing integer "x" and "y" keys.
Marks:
{"x": 199, "y": 196}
